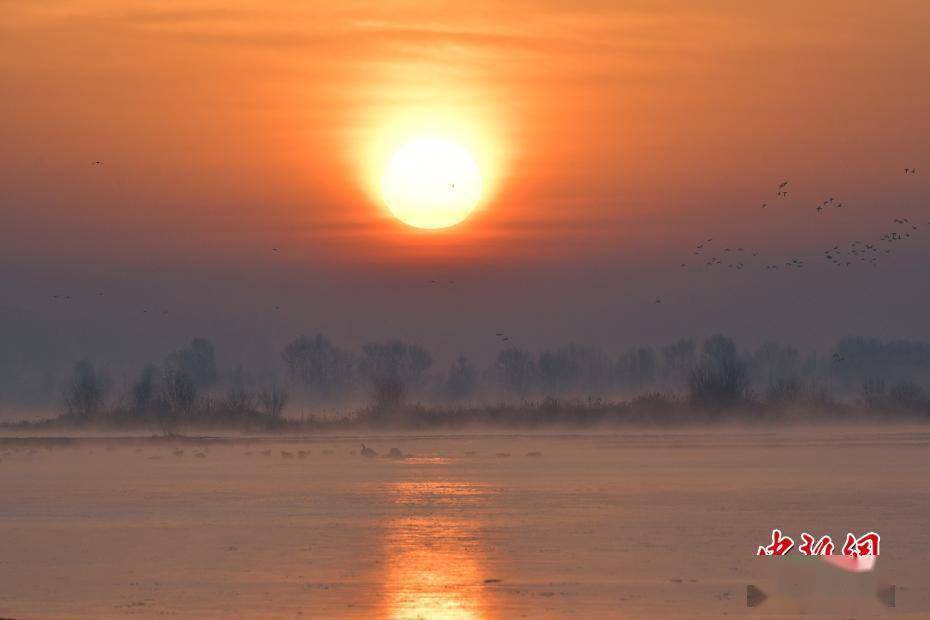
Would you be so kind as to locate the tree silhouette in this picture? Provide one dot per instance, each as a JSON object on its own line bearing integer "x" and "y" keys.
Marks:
{"x": 462, "y": 379}
{"x": 85, "y": 392}
{"x": 320, "y": 366}
{"x": 720, "y": 380}
{"x": 516, "y": 371}
{"x": 198, "y": 361}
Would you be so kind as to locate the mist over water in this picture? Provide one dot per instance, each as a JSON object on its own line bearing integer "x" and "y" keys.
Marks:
{"x": 641, "y": 524}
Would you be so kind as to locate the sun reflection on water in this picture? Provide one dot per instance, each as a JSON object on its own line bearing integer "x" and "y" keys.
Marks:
{"x": 434, "y": 561}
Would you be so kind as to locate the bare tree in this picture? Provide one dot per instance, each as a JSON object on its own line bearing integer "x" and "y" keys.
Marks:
{"x": 874, "y": 394}
{"x": 179, "y": 393}
{"x": 772, "y": 363}
{"x": 240, "y": 400}
{"x": 144, "y": 388}
{"x": 516, "y": 371}
{"x": 396, "y": 359}
{"x": 462, "y": 379}
{"x": 85, "y": 393}
{"x": 720, "y": 379}
{"x": 909, "y": 397}
{"x": 198, "y": 361}
{"x": 394, "y": 368}
{"x": 273, "y": 399}
{"x": 678, "y": 360}
{"x": 636, "y": 368}
{"x": 572, "y": 369}
{"x": 319, "y": 365}
{"x": 389, "y": 393}
{"x": 783, "y": 392}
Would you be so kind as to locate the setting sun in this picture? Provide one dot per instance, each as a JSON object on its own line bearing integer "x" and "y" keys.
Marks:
{"x": 431, "y": 183}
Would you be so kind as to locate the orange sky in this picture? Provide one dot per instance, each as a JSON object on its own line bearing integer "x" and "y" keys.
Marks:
{"x": 620, "y": 133}
{"x": 247, "y": 122}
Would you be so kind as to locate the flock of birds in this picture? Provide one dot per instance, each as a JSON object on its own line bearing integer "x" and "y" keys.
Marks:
{"x": 838, "y": 255}
{"x": 201, "y": 452}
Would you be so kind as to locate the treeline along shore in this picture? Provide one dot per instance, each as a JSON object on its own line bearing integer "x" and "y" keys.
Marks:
{"x": 394, "y": 384}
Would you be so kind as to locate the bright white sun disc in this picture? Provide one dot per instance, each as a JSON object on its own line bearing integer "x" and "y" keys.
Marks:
{"x": 431, "y": 183}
